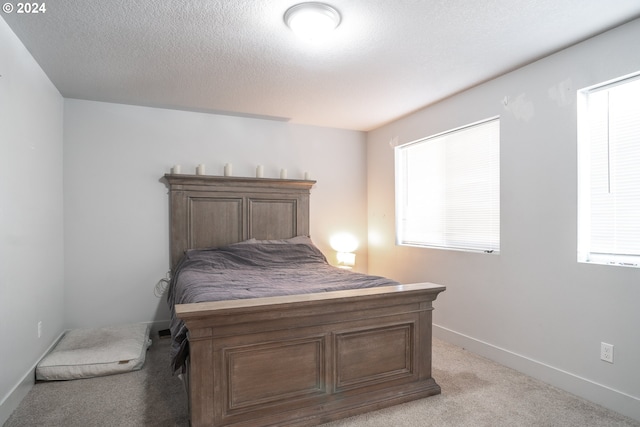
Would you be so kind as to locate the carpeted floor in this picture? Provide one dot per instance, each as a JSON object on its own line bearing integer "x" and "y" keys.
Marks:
{"x": 475, "y": 392}
{"x": 148, "y": 397}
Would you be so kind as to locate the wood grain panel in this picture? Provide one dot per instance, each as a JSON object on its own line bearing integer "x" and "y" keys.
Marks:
{"x": 296, "y": 369}
{"x": 201, "y": 378}
{"x": 214, "y": 221}
{"x": 374, "y": 355}
{"x": 273, "y": 218}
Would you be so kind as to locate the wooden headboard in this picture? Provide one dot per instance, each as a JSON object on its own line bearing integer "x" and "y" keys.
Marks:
{"x": 210, "y": 211}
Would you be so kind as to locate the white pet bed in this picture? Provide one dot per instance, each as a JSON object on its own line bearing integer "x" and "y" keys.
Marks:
{"x": 87, "y": 353}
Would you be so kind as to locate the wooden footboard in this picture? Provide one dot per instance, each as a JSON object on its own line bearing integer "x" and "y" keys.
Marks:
{"x": 308, "y": 359}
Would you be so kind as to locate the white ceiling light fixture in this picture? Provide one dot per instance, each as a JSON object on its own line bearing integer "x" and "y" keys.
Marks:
{"x": 312, "y": 21}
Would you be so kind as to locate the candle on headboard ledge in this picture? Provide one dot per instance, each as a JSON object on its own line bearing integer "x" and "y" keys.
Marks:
{"x": 259, "y": 171}
{"x": 283, "y": 174}
{"x": 175, "y": 170}
{"x": 200, "y": 169}
{"x": 228, "y": 171}
{"x": 306, "y": 176}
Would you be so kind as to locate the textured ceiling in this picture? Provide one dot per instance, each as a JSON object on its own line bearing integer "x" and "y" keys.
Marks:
{"x": 386, "y": 59}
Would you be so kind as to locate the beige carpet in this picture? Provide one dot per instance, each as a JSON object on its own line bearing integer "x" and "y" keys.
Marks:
{"x": 478, "y": 392}
{"x": 475, "y": 392}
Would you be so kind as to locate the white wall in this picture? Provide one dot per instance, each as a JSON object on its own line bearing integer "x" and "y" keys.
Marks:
{"x": 532, "y": 307}
{"x": 116, "y": 207}
{"x": 31, "y": 246}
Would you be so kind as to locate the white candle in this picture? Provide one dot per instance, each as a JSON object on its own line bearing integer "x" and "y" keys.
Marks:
{"x": 283, "y": 174}
{"x": 228, "y": 169}
{"x": 175, "y": 170}
{"x": 200, "y": 169}
{"x": 259, "y": 171}
{"x": 306, "y": 176}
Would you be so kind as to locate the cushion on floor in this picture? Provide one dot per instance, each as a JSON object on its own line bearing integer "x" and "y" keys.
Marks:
{"x": 86, "y": 353}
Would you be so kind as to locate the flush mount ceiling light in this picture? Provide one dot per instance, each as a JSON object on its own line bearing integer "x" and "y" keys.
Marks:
{"x": 312, "y": 20}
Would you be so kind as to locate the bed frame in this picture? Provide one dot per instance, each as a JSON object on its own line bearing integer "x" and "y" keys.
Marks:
{"x": 296, "y": 360}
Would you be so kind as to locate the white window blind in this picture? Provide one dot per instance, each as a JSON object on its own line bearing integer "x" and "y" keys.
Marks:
{"x": 609, "y": 173}
{"x": 448, "y": 189}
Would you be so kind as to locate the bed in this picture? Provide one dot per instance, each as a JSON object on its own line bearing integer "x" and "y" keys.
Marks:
{"x": 296, "y": 358}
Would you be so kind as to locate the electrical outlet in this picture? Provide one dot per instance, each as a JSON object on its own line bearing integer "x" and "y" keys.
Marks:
{"x": 39, "y": 328}
{"x": 606, "y": 352}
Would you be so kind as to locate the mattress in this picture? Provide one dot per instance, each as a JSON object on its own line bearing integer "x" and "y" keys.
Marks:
{"x": 254, "y": 269}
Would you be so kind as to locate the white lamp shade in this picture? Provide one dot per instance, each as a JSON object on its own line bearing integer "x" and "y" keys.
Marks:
{"x": 346, "y": 259}
{"x": 312, "y": 20}
{"x": 343, "y": 242}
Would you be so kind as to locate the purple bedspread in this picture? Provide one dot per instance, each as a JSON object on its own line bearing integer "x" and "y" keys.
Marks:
{"x": 252, "y": 270}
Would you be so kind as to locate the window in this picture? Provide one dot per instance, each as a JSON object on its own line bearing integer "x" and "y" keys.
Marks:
{"x": 609, "y": 173}
{"x": 448, "y": 189}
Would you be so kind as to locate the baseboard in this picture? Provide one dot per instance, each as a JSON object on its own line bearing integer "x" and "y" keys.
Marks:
{"x": 11, "y": 401}
{"x": 600, "y": 394}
